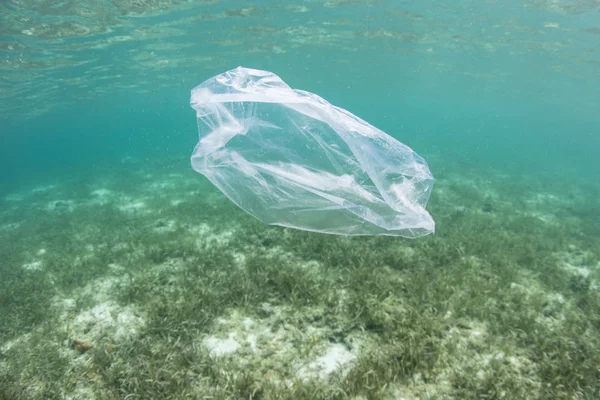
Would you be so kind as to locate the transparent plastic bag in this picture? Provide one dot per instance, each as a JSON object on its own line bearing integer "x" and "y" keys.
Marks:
{"x": 290, "y": 158}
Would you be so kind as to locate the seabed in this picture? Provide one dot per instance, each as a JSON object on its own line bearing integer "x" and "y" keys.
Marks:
{"x": 145, "y": 283}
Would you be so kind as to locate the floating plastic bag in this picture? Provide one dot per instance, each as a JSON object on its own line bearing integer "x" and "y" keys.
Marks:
{"x": 290, "y": 158}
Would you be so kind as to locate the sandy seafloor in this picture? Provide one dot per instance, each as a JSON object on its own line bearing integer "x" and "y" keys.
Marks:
{"x": 146, "y": 282}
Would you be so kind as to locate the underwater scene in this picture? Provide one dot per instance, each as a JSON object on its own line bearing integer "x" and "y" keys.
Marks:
{"x": 403, "y": 202}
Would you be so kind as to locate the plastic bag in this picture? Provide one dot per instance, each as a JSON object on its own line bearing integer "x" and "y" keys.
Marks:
{"x": 290, "y": 158}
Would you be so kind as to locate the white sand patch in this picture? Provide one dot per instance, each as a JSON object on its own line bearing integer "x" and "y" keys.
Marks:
{"x": 118, "y": 268}
{"x": 43, "y": 189}
{"x": 544, "y": 217}
{"x": 220, "y": 347}
{"x": 311, "y": 265}
{"x": 128, "y": 323}
{"x": 557, "y": 298}
{"x": 252, "y": 341}
{"x": 133, "y": 207}
{"x": 487, "y": 358}
{"x": 102, "y": 197}
{"x": 543, "y": 199}
{"x": 577, "y": 270}
{"x": 6, "y": 346}
{"x": 98, "y": 291}
{"x": 176, "y": 202}
{"x": 102, "y": 193}
{"x": 476, "y": 333}
{"x": 335, "y": 358}
{"x": 581, "y": 263}
{"x": 247, "y": 333}
{"x": 467, "y": 336}
{"x": 64, "y": 305}
{"x": 280, "y": 350}
{"x": 81, "y": 393}
{"x": 33, "y": 266}
{"x": 278, "y": 50}
{"x": 100, "y": 314}
{"x": 121, "y": 246}
{"x": 202, "y": 229}
{"x": 239, "y": 258}
{"x": 101, "y": 289}
{"x": 107, "y": 319}
{"x": 207, "y": 236}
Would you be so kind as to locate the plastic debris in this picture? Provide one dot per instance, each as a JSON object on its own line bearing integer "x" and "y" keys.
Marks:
{"x": 290, "y": 158}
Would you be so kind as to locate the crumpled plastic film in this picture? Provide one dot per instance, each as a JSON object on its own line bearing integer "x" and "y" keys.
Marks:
{"x": 290, "y": 158}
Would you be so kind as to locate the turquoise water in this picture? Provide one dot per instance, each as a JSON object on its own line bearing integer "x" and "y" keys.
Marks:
{"x": 96, "y": 131}
{"x": 491, "y": 83}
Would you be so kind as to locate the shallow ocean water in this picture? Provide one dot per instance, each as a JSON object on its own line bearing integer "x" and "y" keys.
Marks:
{"x": 125, "y": 274}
